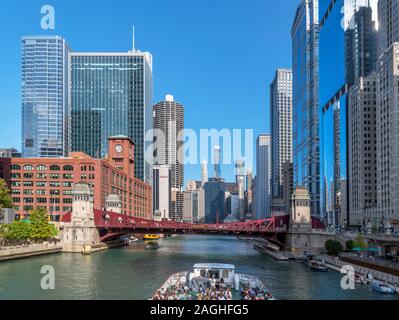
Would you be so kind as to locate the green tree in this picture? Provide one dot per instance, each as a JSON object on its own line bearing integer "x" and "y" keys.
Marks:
{"x": 333, "y": 247}
{"x": 360, "y": 242}
{"x": 18, "y": 230}
{"x": 5, "y": 198}
{"x": 40, "y": 227}
{"x": 350, "y": 244}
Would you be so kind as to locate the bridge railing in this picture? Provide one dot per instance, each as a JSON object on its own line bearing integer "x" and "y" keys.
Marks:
{"x": 111, "y": 220}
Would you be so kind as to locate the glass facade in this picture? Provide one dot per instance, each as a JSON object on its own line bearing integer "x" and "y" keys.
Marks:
{"x": 45, "y": 106}
{"x": 335, "y": 17}
{"x": 305, "y": 61}
{"x": 112, "y": 95}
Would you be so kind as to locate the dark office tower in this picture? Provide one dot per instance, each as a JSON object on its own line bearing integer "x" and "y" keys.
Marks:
{"x": 360, "y": 45}
{"x": 111, "y": 94}
{"x": 168, "y": 123}
{"x": 215, "y": 203}
{"x": 281, "y": 127}
{"x": 305, "y": 68}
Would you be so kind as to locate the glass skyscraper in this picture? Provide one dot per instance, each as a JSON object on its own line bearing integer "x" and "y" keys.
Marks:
{"x": 335, "y": 16}
{"x": 45, "y": 105}
{"x": 305, "y": 63}
{"x": 111, "y": 95}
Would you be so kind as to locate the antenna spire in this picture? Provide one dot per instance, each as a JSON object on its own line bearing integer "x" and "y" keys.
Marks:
{"x": 134, "y": 44}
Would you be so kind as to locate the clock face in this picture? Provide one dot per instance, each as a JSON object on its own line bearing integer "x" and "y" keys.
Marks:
{"x": 118, "y": 148}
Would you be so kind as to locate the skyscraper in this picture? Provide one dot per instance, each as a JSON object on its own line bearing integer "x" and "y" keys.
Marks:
{"x": 281, "y": 126}
{"x": 204, "y": 172}
{"x": 360, "y": 45}
{"x": 161, "y": 192}
{"x": 168, "y": 123}
{"x": 361, "y": 55}
{"x": 111, "y": 95}
{"x": 216, "y": 162}
{"x": 45, "y": 104}
{"x": 215, "y": 204}
{"x": 305, "y": 67}
{"x": 248, "y": 193}
{"x": 388, "y": 20}
{"x": 362, "y": 156}
{"x": 240, "y": 181}
{"x": 388, "y": 113}
{"x": 263, "y": 175}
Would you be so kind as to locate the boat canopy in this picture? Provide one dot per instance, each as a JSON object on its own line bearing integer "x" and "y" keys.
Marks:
{"x": 219, "y": 266}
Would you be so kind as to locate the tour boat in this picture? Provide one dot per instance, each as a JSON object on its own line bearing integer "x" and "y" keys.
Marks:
{"x": 151, "y": 237}
{"x": 382, "y": 288}
{"x": 215, "y": 277}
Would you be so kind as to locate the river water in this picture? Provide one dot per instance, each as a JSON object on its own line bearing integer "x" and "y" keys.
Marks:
{"x": 135, "y": 273}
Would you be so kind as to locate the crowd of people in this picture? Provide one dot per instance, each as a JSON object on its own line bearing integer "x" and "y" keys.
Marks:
{"x": 183, "y": 292}
{"x": 255, "y": 294}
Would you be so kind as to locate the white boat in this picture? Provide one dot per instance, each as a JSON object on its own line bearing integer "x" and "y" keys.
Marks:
{"x": 382, "y": 288}
{"x": 215, "y": 279}
{"x": 133, "y": 239}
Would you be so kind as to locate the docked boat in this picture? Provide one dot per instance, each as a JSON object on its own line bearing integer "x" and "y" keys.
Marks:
{"x": 212, "y": 281}
{"x": 318, "y": 265}
{"x": 382, "y": 288}
{"x": 133, "y": 239}
{"x": 359, "y": 279}
{"x": 315, "y": 263}
{"x": 151, "y": 237}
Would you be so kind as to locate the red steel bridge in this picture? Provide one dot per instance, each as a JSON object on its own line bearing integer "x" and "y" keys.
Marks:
{"x": 112, "y": 225}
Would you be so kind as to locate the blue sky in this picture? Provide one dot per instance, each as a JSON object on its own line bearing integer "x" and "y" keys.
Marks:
{"x": 217, "y": 57}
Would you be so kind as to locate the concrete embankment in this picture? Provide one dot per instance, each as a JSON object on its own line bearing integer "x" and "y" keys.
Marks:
{"x": 19, "y": 252}
{"x": 336, "y": 264}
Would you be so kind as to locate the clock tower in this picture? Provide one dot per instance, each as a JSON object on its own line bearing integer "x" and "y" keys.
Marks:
{"x": 121, "y": 154}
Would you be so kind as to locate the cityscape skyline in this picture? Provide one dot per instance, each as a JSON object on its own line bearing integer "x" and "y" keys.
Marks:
{"x": 255, "y": 94}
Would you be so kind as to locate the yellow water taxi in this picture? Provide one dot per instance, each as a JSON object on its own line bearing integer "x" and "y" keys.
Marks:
{"x": 151, "y": 237}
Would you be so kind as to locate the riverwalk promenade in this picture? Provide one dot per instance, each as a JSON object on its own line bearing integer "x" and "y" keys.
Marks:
{"x": 30, "y": 250}
{"x": 380, "y": 274}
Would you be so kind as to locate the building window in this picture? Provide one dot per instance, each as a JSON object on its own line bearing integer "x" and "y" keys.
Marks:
{"x": 55, "y": 168}
{"x": 41, "y": 168}
{"x": 15, "y": 167}
{"x": 68, "y": 168}
{"x": 28, "y": 167}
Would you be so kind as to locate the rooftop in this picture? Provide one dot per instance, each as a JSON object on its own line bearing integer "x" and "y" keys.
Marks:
{"x": 213, "y": 266}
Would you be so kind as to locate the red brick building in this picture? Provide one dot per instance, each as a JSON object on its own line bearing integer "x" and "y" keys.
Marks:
{"x": 48, "y": 182}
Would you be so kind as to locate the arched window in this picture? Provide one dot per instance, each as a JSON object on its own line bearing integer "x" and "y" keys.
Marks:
{"x": 68, "y": 168}
{"x": 28, "y": 167}
{"x": 41, "y": 168}
{"x": 83, "y": 168}
{"x": 15, "y": 167}
{"x": 55, "y": 168}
